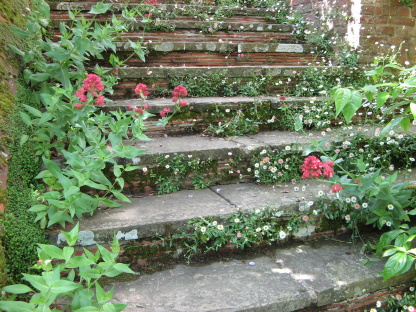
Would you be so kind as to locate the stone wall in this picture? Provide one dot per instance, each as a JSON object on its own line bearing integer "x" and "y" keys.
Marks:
{"x": 373, "y": 26}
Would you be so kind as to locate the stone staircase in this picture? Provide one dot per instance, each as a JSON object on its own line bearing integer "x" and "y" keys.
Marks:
{"x": 243, "y": 48}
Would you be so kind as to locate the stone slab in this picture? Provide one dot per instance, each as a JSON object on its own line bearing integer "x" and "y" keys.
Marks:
{"x": 149, "y": 216}
{"x": 222, "y": 286}
{"x": 301, "y": 276}
{"x": 248, "y": 196}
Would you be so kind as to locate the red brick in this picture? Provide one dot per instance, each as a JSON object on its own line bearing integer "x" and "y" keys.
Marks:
{"x": 404, "y": 21}
{"x": 403, "y": 11}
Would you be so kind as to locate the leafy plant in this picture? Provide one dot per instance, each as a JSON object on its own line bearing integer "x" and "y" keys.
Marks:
{"x": 242, "y": 229}
{"x": 389, "y": 82}
{"x": 68, "y": 281}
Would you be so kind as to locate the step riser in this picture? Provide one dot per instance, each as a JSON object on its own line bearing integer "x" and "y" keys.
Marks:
{"x": 206, "y": 59}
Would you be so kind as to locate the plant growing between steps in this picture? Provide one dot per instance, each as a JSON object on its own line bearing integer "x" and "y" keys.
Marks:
{"x": 67, "y": 281}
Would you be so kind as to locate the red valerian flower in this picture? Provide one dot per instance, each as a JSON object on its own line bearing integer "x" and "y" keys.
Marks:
{"x": 100, "y": 99}
{"x": 141, "y": 89}
{"x": 78, "y": 105}
{"x": 312, "y": 166}
{"x": 139, "y": 110}
{"x": 152, "y": 2}
{"x": 336, "y": 188}
{"x": 164, "y": 111}
{"x": 179, "y": 92}
{"x": 93, "y": 84}
{"x": 81, "y": 94}
{"x": 183, "y": 103}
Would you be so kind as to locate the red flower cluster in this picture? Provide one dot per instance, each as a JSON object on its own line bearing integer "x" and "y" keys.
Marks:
{"x": 139, "y": 110}
{"x": 179, "y": 92}
{"x": 164, "y": 111}
{"x": 141, "y": 89}
{"x": 312, "y": 166}
{"x": 152, "y": 2}
{"x": 93, "y": 85}
{"x": 336, "y": 188}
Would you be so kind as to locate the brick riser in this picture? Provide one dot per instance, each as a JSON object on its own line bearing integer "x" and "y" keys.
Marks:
{"x": 194, "y": 59}
{"x": 125, "y": 88}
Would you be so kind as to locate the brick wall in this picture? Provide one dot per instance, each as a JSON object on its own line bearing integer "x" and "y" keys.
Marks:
{"x": 372, "y": 25}
{"x": 388, "y": 23}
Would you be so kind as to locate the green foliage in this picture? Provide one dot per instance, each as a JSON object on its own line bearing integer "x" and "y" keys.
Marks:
{"x": 21, "y": 234}
{"x": 242, "y": 229}
{"x": 68, "y": 281}
{"x": 229, "y": 123}
{"x": 271, "y": 166}
{"x": 398, "y": 302}
{"x": 218, "y": 84}
{"x": 77, "y": 131}
{"x": 389, "y": 82}
{"x": 173, "y": 170}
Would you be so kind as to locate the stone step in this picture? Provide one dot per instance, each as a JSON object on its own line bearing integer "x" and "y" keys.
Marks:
{"x": 317, "y": 275}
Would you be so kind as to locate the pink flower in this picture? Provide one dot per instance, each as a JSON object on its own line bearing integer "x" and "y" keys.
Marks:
{"x": 141, "y": 89}
{"x": 78, "y": 105}
{"x": 181, "y": 91}
{"x": 164, "y": 111}
{"x": 93, "y": 84}
{"x": 312, "y": 166}
{"x": 100, "y": 99}
{"x": 305, "y": 218}
{"x": 139, "y": 110}
{"x": 183, "y": 103}
{"x": 175, "y": 98}
{"x": 130, "y": 107}
{"x": 348, "y": 217}
{"x": 146, "y": 106}
{"x": 239, "y": 235}
{"x": 152, "y": 2}
{"x": 336, "y": 188}
{"x": 81, "y": 94}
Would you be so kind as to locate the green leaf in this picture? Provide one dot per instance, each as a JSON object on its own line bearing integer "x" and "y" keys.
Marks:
{"x": 382, "y": 97}
{"x": 35, "y": 112}
{"x": 17, "y": 289}
{"x": 390, "y": 126}
{"x": 120, "y": 196}
{"x": 411, "y": 82}
{"x": 37, "y": 281}
{"x": 16, "y": 50}
{"x": 17, "y": 306}
{"x": 62, "y": 286}
{"x": 52, "y": 251}
{"x": 26, "y": 119}
{"x": 78, "y": 261}
{"x": 413, "y": 109}
{"x": 23, "y": 139}
{"x": 394, "y": 265}
{"x": 341, "y": 97}
{"x": 123, "y": 268}
{"x": 45, "y": 117}
{"x": 87, "y": 309}
{"x": 109, "y": 203}
{"x": 22, "y": 34}
{"x": 298, "y": 123}
{"x": 100, "y": 8}
{"x": 352, "y": 106}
